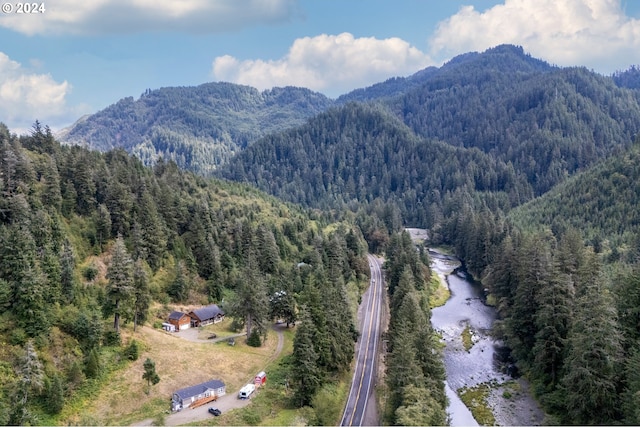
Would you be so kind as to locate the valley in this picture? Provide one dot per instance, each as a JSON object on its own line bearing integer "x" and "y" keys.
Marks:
{"x": 269, "y": 204}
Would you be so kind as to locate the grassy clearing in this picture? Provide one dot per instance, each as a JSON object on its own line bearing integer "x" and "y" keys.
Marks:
{"x": 121, "y": 400}
{"x": 274, "y": 405}
{"x": 222, "y": 329}
{"x": 476, "y": 400}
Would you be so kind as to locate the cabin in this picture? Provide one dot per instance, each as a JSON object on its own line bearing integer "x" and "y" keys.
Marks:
{"x": 197, "y": 395}
{"x": 206, "y": 315}
{"x": 179, "y": 320}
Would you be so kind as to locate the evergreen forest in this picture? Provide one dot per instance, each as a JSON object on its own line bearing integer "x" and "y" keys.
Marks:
{"x": 526, "y": 171}
{"x": 92, "y": 242}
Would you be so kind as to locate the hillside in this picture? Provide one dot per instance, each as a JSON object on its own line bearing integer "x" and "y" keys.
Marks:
{"x": 362, "y": 153}
{"x": 549, "y": 122}
{"x": 198, "y": 127}
{"x": 95, "y": 244}
{"x": 601, "y": 202}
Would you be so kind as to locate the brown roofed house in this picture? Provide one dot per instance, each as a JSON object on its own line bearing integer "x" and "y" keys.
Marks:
{"x": 180, "y": 320}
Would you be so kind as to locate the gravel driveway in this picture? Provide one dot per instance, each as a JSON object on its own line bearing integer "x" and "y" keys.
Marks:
{"x": 194, "y": 335}
{"x": 225, "y": 403}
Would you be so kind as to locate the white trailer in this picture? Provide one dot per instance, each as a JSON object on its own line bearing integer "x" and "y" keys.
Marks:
{"x": 246, "y": 391}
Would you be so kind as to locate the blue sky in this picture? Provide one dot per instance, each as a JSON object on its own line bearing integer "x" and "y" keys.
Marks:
{"x": 80, "y": 56}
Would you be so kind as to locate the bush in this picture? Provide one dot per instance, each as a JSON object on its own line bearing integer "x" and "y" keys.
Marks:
{"x": 251, "y": 417}
{"x": 254, "y": 339}
{"x": 112, "y": 338}
{"x": 54, "y": 395}
{"x": 132, "y": 351}
{"x": 90, "y": 272}
{"x": 92, "y": 364}
{"x": 18, "y": 336}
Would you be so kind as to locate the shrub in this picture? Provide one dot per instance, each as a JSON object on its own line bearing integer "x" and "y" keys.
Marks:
{"x": 251, "y": 417}
{"x": 112, "y": 338}
{"x": 18, "y": 336}
{"x": 90, "y": 272}
{"x": 254, "y": 339}
{"x": 132, "y": 351}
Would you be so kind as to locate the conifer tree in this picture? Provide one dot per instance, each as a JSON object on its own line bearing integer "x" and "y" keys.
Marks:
{"x": 51, "y": 195}
{"x": 402, "y": 368}
{"x": 306, "y": 374}
{"x": 142, "y": 295}
{"x": 590, "y": 382}
{"x": 420, "y": 408}
{"x": 55, "y": 393}
{"x": 150, "y": 374}
{"x": 67, "y": 267}
{"x": 631, "y": 394}
{"x": 103, "y": 225}
{"x": 31, "y": 374}
{"x": 31, "y": 305}
{"x": 269, "y": 254}
{"x": 251, "y": 305}
{"x": 120, "y": 289}
{"x": 179, "y": 288}
{"x": 92, "y": 364}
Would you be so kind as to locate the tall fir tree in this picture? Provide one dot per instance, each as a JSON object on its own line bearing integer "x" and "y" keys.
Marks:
{"x": 595, "y": 351}
{"x": 306, "y": 375}
{"x": 142, "y": 294}
{"x": 120, "y": 288}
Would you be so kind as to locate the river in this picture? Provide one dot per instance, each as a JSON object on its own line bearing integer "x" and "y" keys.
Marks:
{"x": 509, "y": 398}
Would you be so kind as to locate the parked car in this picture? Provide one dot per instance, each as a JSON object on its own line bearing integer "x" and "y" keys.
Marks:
{"x": 215, "y": 411}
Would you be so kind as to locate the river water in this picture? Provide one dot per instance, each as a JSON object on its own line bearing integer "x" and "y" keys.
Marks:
{"x": 465, "y": 309}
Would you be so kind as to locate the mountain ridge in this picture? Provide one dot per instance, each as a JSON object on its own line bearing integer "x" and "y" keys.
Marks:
{"x": 199, "y": 127}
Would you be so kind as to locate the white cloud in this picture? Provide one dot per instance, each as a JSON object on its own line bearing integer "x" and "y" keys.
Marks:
{"x": 130, "y": 16}
{"x": 327, "y": 63}
{"x": 26, "y": 96}
{"x": 593, "y": 33}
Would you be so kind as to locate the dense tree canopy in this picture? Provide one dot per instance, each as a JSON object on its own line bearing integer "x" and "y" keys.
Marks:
{"x": 114, "y": 239}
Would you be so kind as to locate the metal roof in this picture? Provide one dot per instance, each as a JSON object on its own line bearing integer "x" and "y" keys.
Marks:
{"x": 177, "y": 315}
{"x": 208, "y": 312}
{"x": 195, "y": 390}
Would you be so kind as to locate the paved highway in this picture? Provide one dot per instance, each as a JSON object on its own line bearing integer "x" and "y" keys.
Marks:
{"x": 364, "y": 377}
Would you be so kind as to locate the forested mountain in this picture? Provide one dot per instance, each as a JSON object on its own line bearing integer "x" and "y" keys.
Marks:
{"x": 389, "y": 88}
{"x": 629, "y": 78}
{"x": 90, "y": 242}
{"x": 362, "y": 153}
{"x": 453, "y": 149}
{"x": 198, "y": 127}
{"x": 548, "y": 122}
{"x": 455, "y": 155}
{"x": 541, "y": 122}
{"x": 601, "y": 202}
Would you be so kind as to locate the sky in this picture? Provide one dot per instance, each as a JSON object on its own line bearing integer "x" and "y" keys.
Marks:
{"x": 68, "y": 58}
